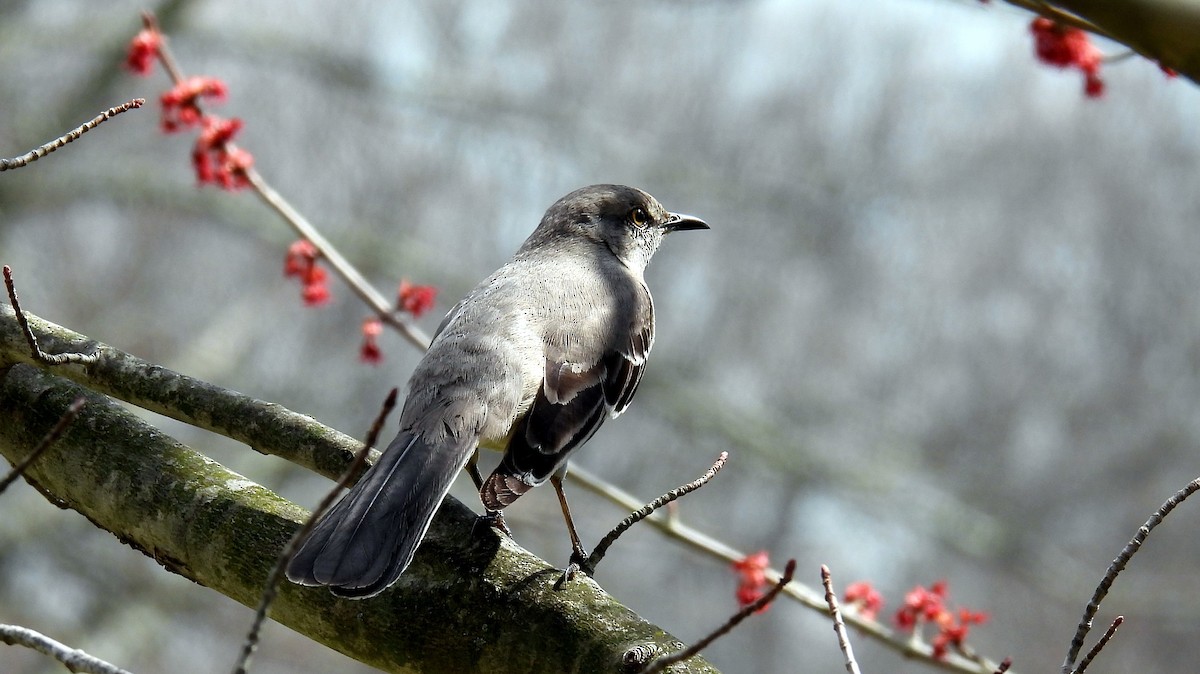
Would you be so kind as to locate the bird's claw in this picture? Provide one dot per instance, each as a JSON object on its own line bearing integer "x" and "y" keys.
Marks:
{"x": 567, "y": 576}
{"x": 495, "y": 520}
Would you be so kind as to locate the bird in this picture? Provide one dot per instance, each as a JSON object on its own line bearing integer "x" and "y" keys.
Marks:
{"x": 530, "y": 362}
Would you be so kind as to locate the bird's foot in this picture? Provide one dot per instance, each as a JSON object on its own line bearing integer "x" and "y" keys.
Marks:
{"x": 577, "y": 564}
{"x": 567, "y": 576}
{"x": 495, "y": 520}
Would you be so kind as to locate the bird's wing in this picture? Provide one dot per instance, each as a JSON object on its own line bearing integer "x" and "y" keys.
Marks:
{"x": 574, "y": 400}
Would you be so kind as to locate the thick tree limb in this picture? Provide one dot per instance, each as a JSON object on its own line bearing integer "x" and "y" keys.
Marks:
{"x": 266, "y": 427}
{"x": 471, "y": 601}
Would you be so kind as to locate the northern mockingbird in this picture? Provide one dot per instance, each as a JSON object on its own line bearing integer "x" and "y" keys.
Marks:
{"x": 530, "y": 362}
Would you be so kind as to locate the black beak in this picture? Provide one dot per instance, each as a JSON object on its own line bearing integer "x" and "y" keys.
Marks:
{"x": 677, "y": 222}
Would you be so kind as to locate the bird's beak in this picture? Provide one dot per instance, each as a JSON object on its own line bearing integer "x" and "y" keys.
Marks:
{"x": 677, "y": 222}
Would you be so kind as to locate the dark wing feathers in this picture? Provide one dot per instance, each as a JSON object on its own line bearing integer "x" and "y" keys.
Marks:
{"x": 570, "y": 406}
{"x": 551, "y": 428}
{"x": 634, "y": 364}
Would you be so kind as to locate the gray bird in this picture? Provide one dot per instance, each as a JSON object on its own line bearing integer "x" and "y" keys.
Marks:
{"x": 530, "y": 362}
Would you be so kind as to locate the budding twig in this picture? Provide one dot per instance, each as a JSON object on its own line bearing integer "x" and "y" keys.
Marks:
{"x": 49, "y": 439}
{"x": 1118, "y": 565}
{"x": 34, "y": 155}
{"x": 839, "y": 627}
{"x": 1091, "y": 655}
{"x": 38, "y": 354}
{"x": 589, "y": 565}
{"x": 661, "y": 663}
{"x": 285, "y": 556}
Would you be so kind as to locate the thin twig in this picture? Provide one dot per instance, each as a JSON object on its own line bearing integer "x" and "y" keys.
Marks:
{"x": 1118, "y": 57}
{"x": 1091, "y": 655}
{"x": 42, "y": 356}
{"x": 1003, "y": 666}
{"x": 361, "y": 287}
{"x": 285, "y": 555}
{"x": 661, "y": 663}
{"x": 73, "y": 658}
{"x": 1118, "y": 565}
{"x": 49, "y": 439}
{"x": 839, "y": 627}
{"x": 34, "y": 155}
{"x": 589, "y": 565}
{"x": 150, "y": 22}
{"x": 1099, "y": 645}
{"x": 969, "y": 653}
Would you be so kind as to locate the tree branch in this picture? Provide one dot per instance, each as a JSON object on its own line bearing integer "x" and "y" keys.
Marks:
{"x": 266, "y": 427}
{"x": 34, "y": 155}
{"x": 72, "y": 658}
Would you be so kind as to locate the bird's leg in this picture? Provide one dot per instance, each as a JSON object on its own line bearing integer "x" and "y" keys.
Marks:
{"x": 578, "y": 555}
{"x": 473, "y": 470}
{"x": 494, "y": 518}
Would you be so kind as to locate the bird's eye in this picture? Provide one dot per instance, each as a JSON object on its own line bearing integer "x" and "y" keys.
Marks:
{"x": 638, "y": 217}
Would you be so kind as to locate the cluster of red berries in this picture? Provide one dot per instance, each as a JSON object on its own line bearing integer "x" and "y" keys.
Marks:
{"x": 921, "y": 605}
{"x": 216, "y": 160}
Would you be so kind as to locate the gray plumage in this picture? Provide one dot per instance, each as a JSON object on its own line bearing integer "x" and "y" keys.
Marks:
{"x": 531, "y": 362}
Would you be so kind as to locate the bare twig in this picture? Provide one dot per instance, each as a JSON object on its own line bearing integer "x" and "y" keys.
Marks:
{"x": 49, "y": 359}
{"x": 1118, "y": 57}
{"x": 661, "y": 663}
{"x": 34, "y": 155}
{"x": 1118, "y": 565}
{"x": 839, "y": 627}
{"x": 1091, "y": 655}
{"x": 970, "y": 654}
{"x": 285, "y": 555}
{"x": 74, "y": 659}
{"x": 589, "y": 565}
{"x": 54, "y": 434}
{"x": 1003, "y": 667}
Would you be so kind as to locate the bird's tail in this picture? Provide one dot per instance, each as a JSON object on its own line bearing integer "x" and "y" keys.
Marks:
{"x": 363, "y": 544}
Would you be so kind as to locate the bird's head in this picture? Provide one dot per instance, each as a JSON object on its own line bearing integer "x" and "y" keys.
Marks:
{"x": 627, "y": 221}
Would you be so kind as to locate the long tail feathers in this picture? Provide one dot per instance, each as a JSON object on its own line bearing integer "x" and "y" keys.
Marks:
{"x": 365, "y": 541}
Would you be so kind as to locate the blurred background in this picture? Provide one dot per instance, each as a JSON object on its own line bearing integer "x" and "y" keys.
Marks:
{"x": 946, "y": 321}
